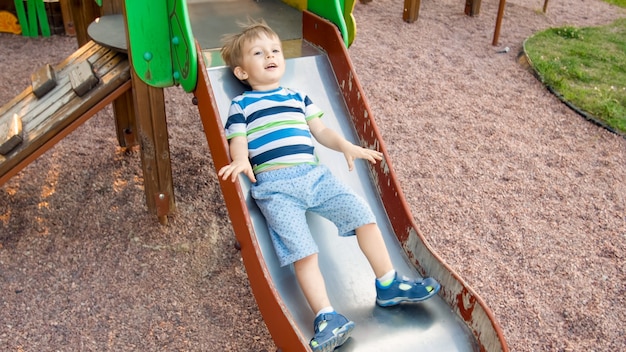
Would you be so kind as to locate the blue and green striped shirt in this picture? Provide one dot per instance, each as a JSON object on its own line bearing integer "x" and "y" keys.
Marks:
{"x": 275, "y": 124}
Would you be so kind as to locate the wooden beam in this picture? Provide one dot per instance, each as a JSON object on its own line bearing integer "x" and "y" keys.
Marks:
{"x": 124, "y": 107}
{"x": 82, "y": 13}
{"x": 125, "y": 125}
{"x": 411, "y": 10}
{"x": 68, "y": 21}
{"x": 472, "y": 7}
{"x": 155, "y": 153}
{"x": 496, "y": 32}
{"x": 149, "y": 104}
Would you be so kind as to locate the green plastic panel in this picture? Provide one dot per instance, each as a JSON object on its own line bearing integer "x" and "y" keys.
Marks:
{"x": 31, "y": 9}
{"x": 149, "y": 38}
{"x": 161, "y": 43}
{"x": 42, "y": 16}
{"x": 32, "y": 18}
{"x": 338, "y": 12}
{"x": 21, "y": 17}
{"x": 184, "y": 54}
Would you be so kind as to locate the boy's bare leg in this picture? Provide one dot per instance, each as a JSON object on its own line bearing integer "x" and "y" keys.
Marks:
{"x": 373, "y": 246}
{"x": 312, "y": 282}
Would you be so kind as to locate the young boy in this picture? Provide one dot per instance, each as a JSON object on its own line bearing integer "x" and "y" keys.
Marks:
{"x": 270, "y": 131}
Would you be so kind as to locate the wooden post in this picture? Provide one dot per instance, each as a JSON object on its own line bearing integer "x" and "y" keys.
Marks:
{"x": 123, "y": 107}
{"x": 82, "y": 13}
{"x": 139, "y": 116}
{"x": 545, "y": 6}
{"x": 411, "y": 10}
{"x": 155, "y": 154}
{"x": 68, "y": 22}
{"x": 472, "y": 7}
{"x": 125, "y": 120}
{"x": 496, "y": 32}
{"x": 154, "y": 141}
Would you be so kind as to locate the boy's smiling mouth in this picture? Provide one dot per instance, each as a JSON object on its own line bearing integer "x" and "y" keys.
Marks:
{"x": 272, "y": 65}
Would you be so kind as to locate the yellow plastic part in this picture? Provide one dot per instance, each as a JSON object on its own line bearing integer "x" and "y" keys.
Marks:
{"x": 8, "y": 23}
{"x": 338, "y": 12}
{"x": 298, "y": 4}
{"x": 349, "y": 18}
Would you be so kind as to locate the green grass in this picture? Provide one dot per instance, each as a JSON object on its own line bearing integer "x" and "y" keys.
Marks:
{"x": 587, "y": 67}
{"x": 620, "y": 3}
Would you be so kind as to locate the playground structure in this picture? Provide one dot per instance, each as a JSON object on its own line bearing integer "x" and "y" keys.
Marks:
{"x": 462, "y": 320}
{"x": 472, "y": 8}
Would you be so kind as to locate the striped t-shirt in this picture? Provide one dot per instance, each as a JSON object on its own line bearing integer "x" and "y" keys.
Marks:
{"x": 275, "y": 124}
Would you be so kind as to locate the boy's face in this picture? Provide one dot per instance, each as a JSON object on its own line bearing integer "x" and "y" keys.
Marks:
{"x": 263, "y": 63}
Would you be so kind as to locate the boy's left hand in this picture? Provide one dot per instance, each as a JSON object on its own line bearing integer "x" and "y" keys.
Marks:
{"x": 330, "y": 139}
{"x": 353, "y": 152}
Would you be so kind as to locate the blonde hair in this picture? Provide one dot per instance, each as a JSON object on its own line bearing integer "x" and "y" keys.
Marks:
{"x": 233, "y": 43}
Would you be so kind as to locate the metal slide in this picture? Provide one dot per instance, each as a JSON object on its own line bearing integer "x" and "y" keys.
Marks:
{"x": 456, "y": 320}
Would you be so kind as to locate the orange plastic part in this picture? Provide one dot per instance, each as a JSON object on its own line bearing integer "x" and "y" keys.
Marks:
{"x": 8, "y": 23}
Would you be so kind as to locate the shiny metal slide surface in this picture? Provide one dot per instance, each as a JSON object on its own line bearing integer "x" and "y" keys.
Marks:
{"x": 425, "y": 326}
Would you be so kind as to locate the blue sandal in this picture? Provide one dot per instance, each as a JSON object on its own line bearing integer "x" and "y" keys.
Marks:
{"x": 331, "y": 331}
{"x": 406, "y": 290}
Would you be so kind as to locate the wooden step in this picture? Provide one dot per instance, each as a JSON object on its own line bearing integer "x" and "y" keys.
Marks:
{"x": 45, "y": 117}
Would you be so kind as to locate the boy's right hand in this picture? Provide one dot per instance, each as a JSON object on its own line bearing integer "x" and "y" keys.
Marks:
{"x": 233, "y": 170}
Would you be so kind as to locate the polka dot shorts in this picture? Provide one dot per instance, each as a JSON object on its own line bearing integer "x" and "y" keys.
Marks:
{"x": 285, "y": 195}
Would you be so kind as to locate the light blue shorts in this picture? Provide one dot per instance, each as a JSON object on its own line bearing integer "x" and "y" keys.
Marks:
{"x": 285, "y": 195}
